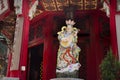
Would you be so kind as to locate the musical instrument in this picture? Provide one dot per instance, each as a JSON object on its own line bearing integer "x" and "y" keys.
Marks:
{"x": 65, "y": 42}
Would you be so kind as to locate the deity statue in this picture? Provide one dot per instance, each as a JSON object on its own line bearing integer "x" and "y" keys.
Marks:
{"x": 68, "y": 52}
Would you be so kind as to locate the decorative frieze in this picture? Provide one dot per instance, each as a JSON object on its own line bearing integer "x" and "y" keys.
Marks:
{"x": 18, "y": 6}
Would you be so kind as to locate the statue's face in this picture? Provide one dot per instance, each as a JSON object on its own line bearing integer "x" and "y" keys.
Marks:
{"x": 69, "y": 28}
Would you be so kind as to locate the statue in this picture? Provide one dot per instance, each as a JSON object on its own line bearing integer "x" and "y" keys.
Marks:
{"x": 68, "y": 52}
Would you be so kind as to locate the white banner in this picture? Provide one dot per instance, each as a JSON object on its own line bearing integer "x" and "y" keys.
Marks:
{"x": 118, "y": 33}
{"x": 17, "y": 44}
{"x": 3, "y": 6}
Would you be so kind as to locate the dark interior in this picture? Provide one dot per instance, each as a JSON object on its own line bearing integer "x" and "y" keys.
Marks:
{"x": 35, "y": 62}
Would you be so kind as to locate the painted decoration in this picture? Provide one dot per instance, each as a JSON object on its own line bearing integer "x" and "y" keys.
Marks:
{"x": 68, "y": 52}
{"x": 18, "y": 6}
{"x": 118, "y": 5}
{"x": 106, "y": 8}
{"x": 3, "y": 6}
{"x": 32, "y": 10}
{"x": 3, "y": 60}
{"x": 57, "y": 5}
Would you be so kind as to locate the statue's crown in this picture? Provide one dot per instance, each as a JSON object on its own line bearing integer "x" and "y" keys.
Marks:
{"x": 70, "y": 22}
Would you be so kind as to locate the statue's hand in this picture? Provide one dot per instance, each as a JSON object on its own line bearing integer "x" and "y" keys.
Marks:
{"x": 64, "y": 39}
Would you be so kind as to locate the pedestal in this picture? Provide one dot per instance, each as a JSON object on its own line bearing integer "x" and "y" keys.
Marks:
{"x": 67, "y": 74}
{"x": 66, "y": 79}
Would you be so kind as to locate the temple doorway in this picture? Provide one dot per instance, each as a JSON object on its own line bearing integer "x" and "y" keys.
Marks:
{"x": 94, "y": 41}
{"x": 35, "y": 62}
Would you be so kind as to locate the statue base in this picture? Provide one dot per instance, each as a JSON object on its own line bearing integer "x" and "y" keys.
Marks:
{"x": 66, "y": 79}
{"x": 67, "y": 74}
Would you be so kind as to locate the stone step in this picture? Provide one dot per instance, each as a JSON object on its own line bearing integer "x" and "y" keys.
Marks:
{"x": 66, "y": 79}
{"x": 9, "y": 78}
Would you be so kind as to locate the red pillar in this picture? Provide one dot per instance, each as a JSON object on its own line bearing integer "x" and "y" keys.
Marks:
{"x": 9, "y": 63}
{"x": 97, "y": 44}
{"x": 94, "y": 53}
{"x": 114, "y": 45}
{"x": 91, "y": 56}
{"x": 49, "y": 55}
{"x": 25, "y": 38}
{"x": 24, "y": 45}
